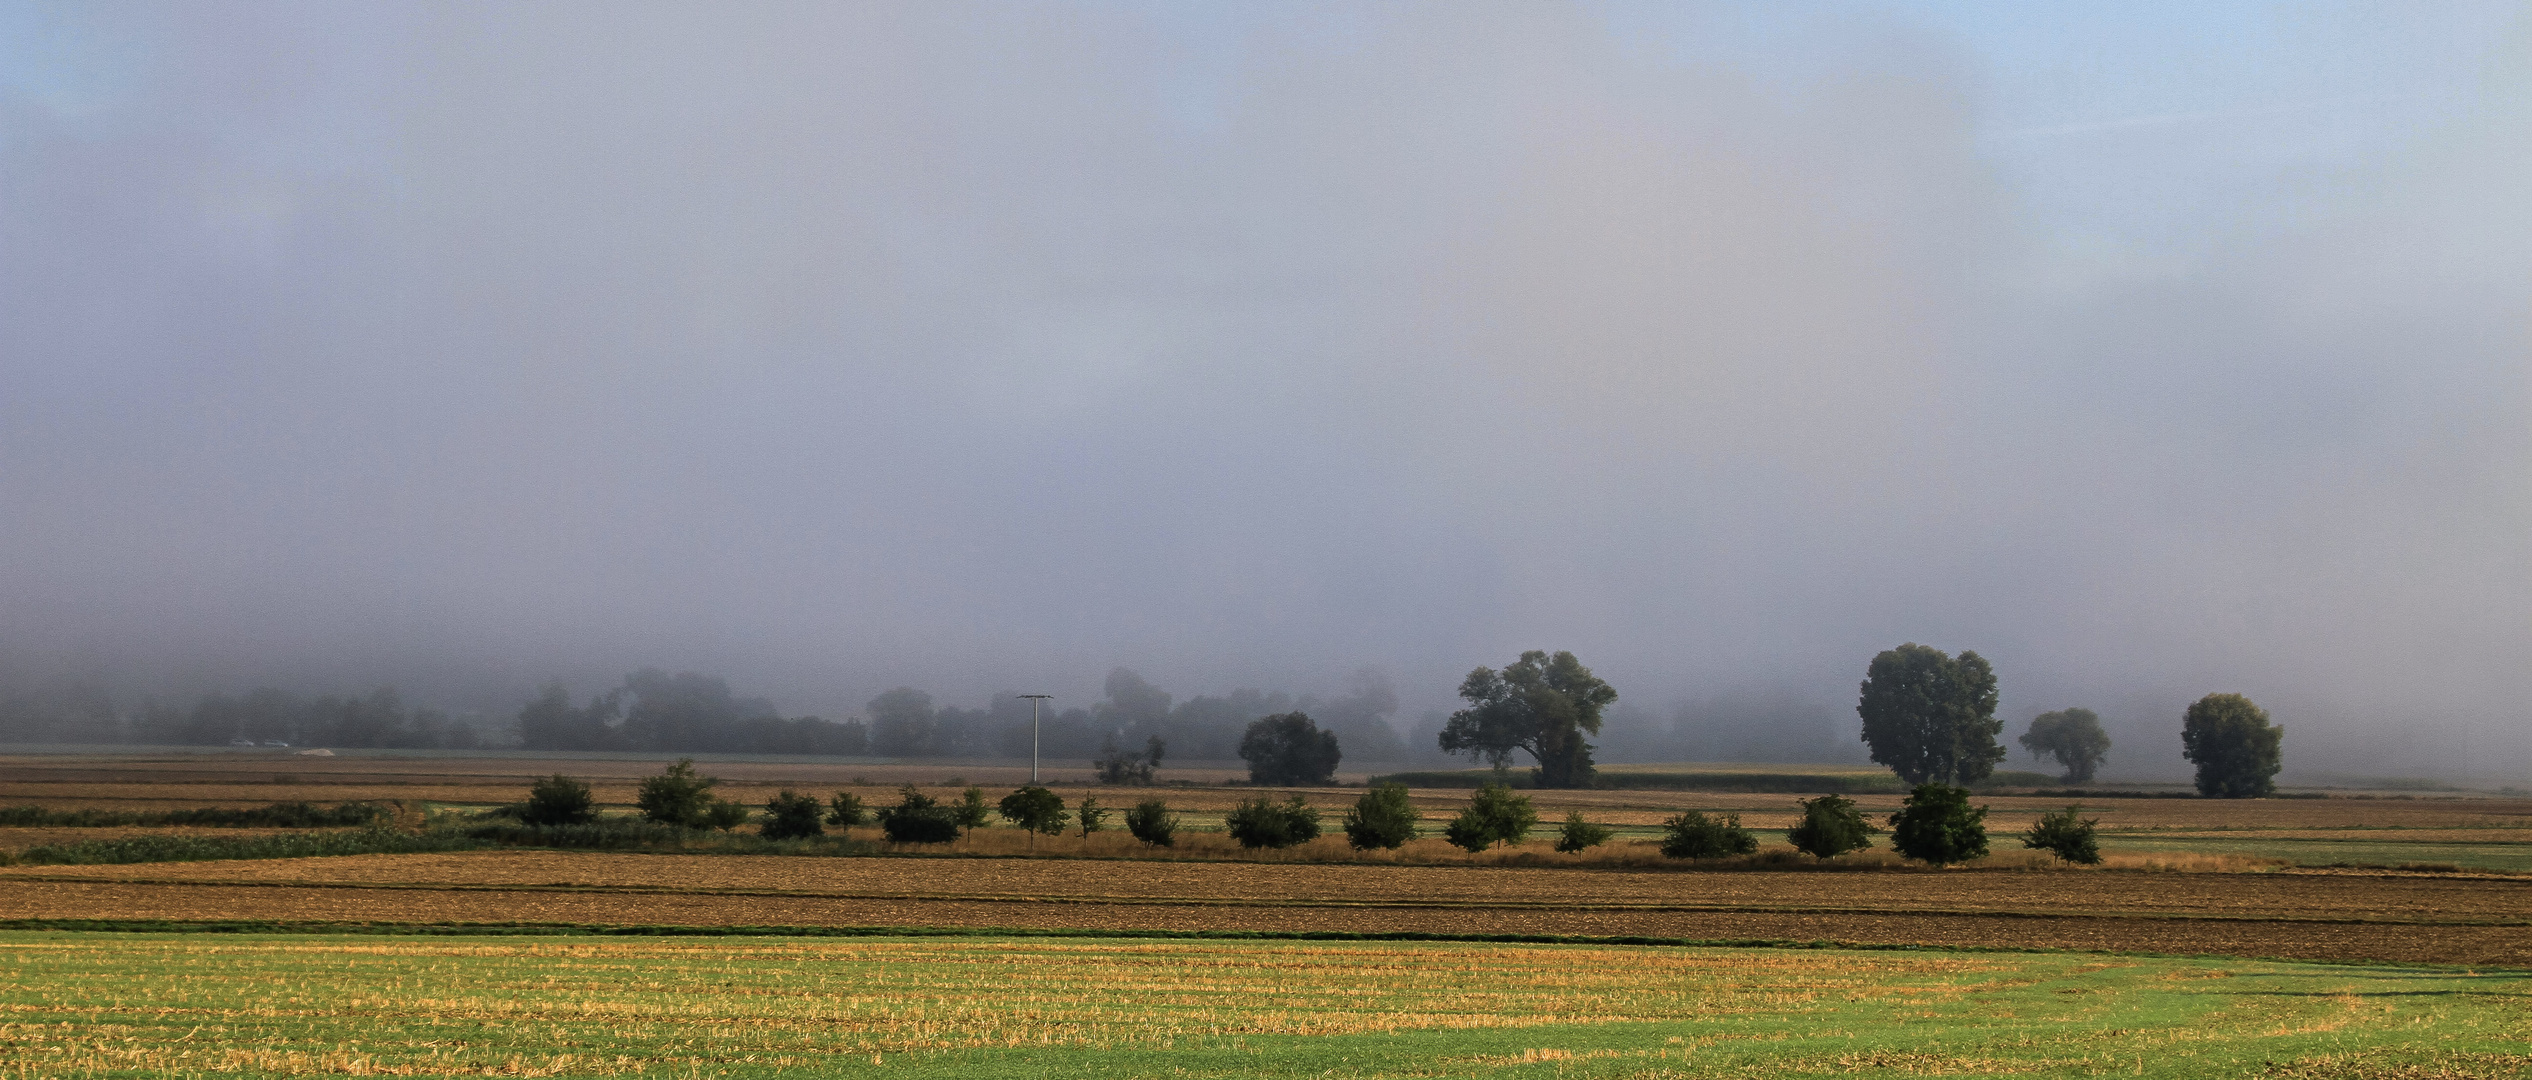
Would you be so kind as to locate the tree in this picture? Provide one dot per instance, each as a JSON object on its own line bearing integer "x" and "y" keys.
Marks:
{"x": 1035, "y": 809}
{"x": 1539, "y": 704}
{"x": 1580, "y": 835}
{"x": 1693, "y": 835}
{"x": 1383, "y": 818}
{"x": 1830, "y": 826}
{"x": 1093, "y": 816}
{"x": 1151, "y": 822}
{"x": 2066, "y": 836}
{"x": 790, "y": 815}
{"x": 971, "y": 811}
{"x": 677, "y": 796}
{"x": 1937, "y": 825}
{"x": 845, "y": 808}
{"x": 1494, "y": 816}
{"x": 559, "y": 800}
{"x": 2234, "y": 746}
{"x": 901, "y": 723}
{"x": 918, "y": 819}
{"x": 2072, "y": 736}
{"x": 1121, "y": 767}
{"x": 1259, "y": 823}
{"x": 1288, "y": 750}
{"x": 1931, "y": 717}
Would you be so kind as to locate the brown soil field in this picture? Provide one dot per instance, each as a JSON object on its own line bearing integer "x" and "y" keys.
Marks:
{"x": 2377, "y": 917}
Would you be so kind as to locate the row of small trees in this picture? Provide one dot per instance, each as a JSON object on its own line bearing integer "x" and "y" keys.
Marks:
{"x": 1937, "y": 824}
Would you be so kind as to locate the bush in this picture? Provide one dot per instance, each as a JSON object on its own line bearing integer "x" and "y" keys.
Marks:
{"x": 971, "y": 811}
{"x": 1093, "y": 816}
{"x": 2064, "y": 835}
{"x": 1830, "y": 826}
{"x": 1693, "y": 835}
{"x": 1382, "y": 818}
{"x": 1036, "y": 809}
{"x": 791, "y": 816}
{"x": 845, "y": 808}
{"x": 1151, "y": 822}
{"x": 604, "y": 834}
{"x": 918, "y": 819}
{"x": 559, "y": 800}
{"x": 1259, "y": 823}
{"x": 1125, "y": 768}
{"x": 1494, "y": 816}
{"x": 677, "y": 796}
{"x": 1288, "y": 750}
{"x": 1580, "y": 835}
{"x": 1937, "y": 825}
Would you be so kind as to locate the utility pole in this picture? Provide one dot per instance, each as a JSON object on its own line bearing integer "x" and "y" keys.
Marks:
{"x": 1033, "y": 700}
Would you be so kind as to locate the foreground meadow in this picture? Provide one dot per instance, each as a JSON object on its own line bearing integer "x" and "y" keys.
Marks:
{"x": 116, "y": 1005}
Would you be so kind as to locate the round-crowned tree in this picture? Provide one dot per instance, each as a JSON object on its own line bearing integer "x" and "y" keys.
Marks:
{"x": 1289, "y": 750}
{"x": 2233, "y": 745}
{"x": 1383, "y": 818}
{"x": 1830, "y": 826}
{"x": 1931, "y": 717}
{"x": 2072, "y": 736}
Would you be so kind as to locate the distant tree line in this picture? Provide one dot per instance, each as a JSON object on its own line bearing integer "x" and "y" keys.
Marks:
{"x": 267, "y": 715}
{"x": 688, "y": 713}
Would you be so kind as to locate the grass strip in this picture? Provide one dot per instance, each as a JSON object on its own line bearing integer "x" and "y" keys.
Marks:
{"x": 289, "y": 815}
{"x": 151, "y": 849}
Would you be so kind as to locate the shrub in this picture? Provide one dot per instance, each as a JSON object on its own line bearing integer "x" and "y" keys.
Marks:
{"x": 1580, "y": 835}
{"x": 1151, "y": 822}
{"x": 677, "y": 796}
{"x": 289, "y": 815}
{"x": 1494, "y": 816}
{"x": 1382, "y": 818}
{"x": 559, "y": 800}
{"x": 1259, "y": 823}
{"x": 918, "y": 819}
{"x": 1288, "y": 749}
{"x": 2066, "y": 836}
{"x": 1937, "y": 825}
{"x": 971, "y": 811}
{"x": 1830, "y": 826}
{"x": 1127, "y": 768}
{"x": 1036, "y": 809}
{"x": 791, "y": 816}
{"x": 1093, "y": 816}
{"x": 845, "y": 808}
{"x": 1693, "y": 835}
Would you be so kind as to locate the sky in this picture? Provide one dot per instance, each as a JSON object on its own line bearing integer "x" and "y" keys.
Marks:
{"x": 2150, "y": 350}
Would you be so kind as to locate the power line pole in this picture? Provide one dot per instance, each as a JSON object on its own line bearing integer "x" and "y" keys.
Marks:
{"x": 1033, "y": 700}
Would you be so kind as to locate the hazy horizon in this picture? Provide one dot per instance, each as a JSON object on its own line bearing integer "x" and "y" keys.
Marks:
{"x": 2150, "y": 352}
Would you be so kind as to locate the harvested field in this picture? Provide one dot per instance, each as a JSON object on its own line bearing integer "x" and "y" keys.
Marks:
{"x": 153, "y": 1004}
{"x": 2407, "y": 918}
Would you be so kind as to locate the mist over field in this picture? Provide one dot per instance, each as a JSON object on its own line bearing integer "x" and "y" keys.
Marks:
{"x": 2149, "y": 352}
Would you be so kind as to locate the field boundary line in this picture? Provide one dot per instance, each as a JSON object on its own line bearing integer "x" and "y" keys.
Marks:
{"x": 1269, "y": 903}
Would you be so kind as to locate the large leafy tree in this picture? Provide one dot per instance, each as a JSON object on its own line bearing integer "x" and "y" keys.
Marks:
{"x": 1541, "y": 705}
{"x": 1931, "y": 717}
{"x": 2072, "y": 736}
{"x": 1289, "y": 750}
{"x": 2234, "y": 746}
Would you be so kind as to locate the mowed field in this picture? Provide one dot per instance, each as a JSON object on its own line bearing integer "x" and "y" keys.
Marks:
{"x": 136, "y": 1005}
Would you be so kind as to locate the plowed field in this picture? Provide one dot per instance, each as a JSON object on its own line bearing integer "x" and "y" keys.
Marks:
{"x": 2408, "y": 918}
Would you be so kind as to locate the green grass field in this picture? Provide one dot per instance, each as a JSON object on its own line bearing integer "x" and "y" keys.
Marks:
{"x": 152, "y": 1005}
